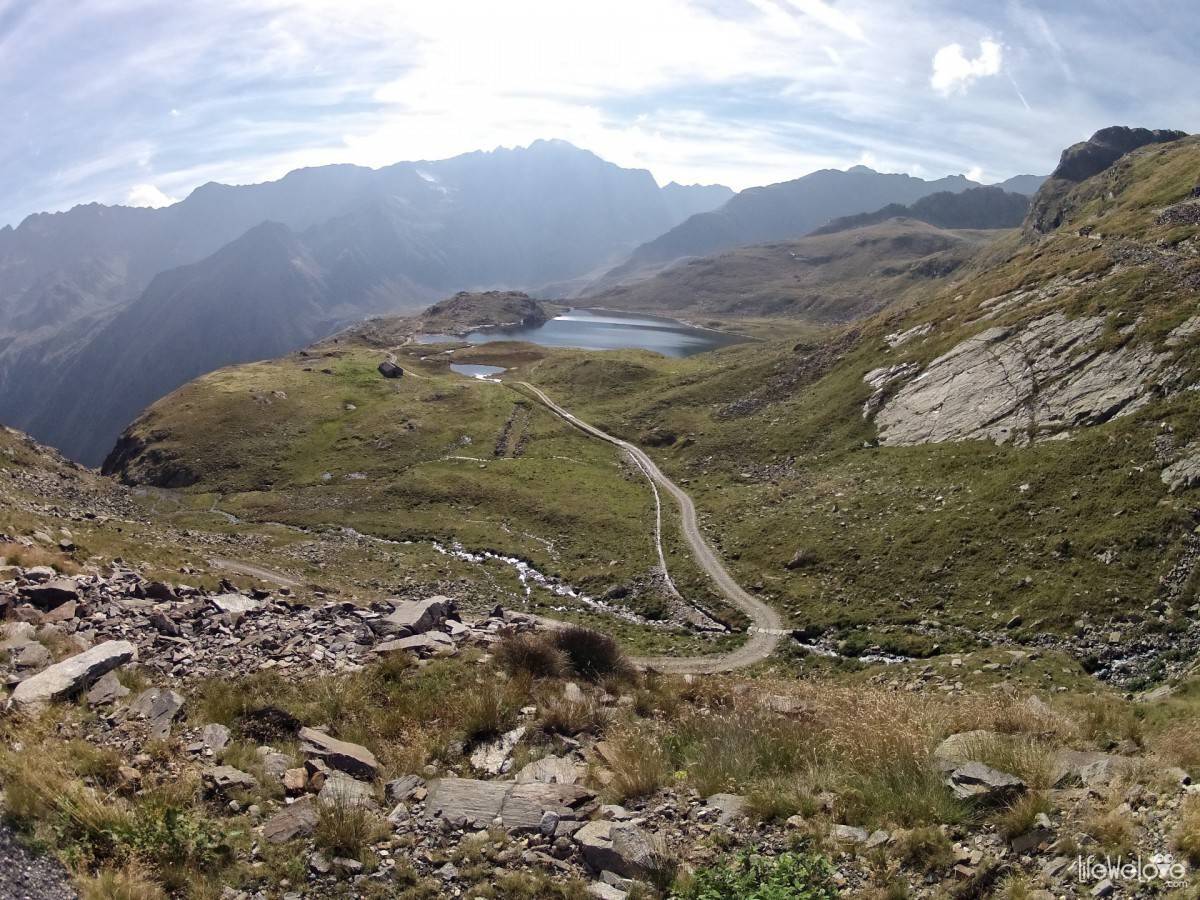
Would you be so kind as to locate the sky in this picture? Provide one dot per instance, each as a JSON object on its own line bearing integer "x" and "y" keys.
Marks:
{"x": 141, "y": 101}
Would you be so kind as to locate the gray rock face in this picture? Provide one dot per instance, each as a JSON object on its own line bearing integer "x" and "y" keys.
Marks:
{"x": 353, "y": 759}
{"x": 551, "y": 770}
{"x": 1020, "y": 384}
{"x": 520, "y": 806}
{"x": 69, "y": 677}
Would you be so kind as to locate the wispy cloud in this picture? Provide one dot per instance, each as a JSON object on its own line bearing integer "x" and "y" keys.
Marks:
{"x": 106, "y": 97}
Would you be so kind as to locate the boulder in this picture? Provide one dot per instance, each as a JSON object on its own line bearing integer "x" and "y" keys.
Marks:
{"x": 389, "y": 369}
{"x": 432, "y": 643}
{"x": 221, "y": 779}
{"x": 50, "y": 594}
{"x": 615, "y": 847}
{"x": 238, "y": 604}
{"x": 467, "y": 799}
{"x": 551, "y": 770}
{"x": 340, "y": 789}
{"x": 215, "y": 737}
{"x": 1090, "y": 769}
{"x": 976, "y": 781}
{"x": 414, "y": 617}
{"x": 108, "y": 689}
{"x": 730, "y": 807}
{"x": 400, "y": 789}
{"x": 352, "y": 759}
{"x": 69, "y": 677}
{"x": 494, "y": 758}
{"x": 159, "y": 707}
{"x": 300, "y": 818}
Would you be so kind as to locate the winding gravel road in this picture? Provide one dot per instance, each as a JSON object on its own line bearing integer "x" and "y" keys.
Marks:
{"x": 766, "y": 628}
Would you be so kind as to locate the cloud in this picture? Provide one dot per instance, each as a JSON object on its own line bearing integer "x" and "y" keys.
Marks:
{"x": 148, "y": 195}
{"x": 741, "y": 91}
{"x": 953, "y": 72}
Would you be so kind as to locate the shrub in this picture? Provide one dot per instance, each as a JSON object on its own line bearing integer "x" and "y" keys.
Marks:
{"x": 486, "y": 712}
{"x": 1021, "y": 815}
{"x": 1187, "y": 834}
{"x": 592, "y": 655}
{"x": 532, "y": 655}
{"x": 639, "y": 764}
{"x": 128, "y": 883}
{"x": 789, "y": 876}
{"x": 926, "y": 849}
{"x": 561, "y": 715}
{"x": 346, "y": 827}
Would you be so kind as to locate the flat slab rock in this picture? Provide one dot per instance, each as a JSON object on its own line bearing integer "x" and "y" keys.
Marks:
{"x": 353, "y": 759}
{"x": 73, "y": 675}
{"x": 519, "y": 806}
{"x": 236, "y": 603}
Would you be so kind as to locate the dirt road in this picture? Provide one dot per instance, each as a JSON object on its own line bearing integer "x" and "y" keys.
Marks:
{"x": 767, "y": 626}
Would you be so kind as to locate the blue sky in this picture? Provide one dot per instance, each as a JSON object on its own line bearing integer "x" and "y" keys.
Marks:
{"x": 140, "y": 101}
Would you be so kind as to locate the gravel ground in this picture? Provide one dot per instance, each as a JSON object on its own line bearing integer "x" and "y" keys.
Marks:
{"x": 24, "y": 876}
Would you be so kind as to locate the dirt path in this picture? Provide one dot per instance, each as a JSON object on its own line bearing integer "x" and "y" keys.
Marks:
{"x": 767, "y": 627}
{"x": 250, "y": 570}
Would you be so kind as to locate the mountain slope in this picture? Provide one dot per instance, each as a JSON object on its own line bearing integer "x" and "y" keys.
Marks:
{"x": 834, "y": 278}
{"x": 260, "y": 296}
{"x": 779, "y": 212}
{"x": 985, "y": 207}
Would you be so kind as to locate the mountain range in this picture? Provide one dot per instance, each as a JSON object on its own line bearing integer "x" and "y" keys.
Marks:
{"x": 789, "y": 210}
{"x": 105, "y": 309}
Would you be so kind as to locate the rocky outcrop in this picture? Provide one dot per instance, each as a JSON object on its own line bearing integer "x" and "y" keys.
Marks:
{"x": 1082, "y": 161}
{"x": 1184, "y": 473}
{"x": 1017, "y": 383}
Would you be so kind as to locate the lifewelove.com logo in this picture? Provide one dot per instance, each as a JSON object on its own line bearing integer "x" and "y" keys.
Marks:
{"x": 1162, "y": 868}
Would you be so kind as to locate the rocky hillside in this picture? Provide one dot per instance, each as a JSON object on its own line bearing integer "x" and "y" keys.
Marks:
{"x": 166, "y": 739}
